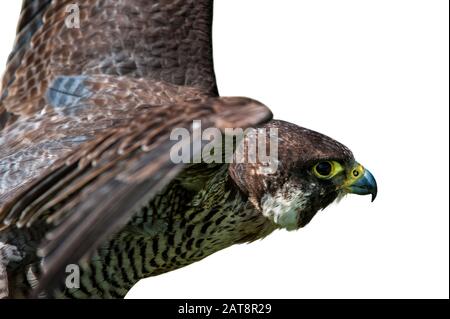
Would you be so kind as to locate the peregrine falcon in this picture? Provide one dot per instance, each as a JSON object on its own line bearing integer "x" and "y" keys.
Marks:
{"x": 89, "y": 99}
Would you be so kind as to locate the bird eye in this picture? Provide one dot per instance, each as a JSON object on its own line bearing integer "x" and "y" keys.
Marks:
{"x": 327, "y": 169}
{"x": 324, "y": 168}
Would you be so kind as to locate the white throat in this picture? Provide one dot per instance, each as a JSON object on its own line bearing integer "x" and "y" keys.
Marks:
{"x": 285, "y": 206}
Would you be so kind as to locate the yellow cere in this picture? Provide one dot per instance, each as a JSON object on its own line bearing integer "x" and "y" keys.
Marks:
{"x": 356, "y": 173}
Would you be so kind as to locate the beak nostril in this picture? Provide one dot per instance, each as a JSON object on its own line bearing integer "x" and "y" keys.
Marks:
{"x": 363, "y": 183}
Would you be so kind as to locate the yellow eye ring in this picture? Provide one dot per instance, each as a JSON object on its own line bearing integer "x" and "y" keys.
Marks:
{"x": 327, "y": 169}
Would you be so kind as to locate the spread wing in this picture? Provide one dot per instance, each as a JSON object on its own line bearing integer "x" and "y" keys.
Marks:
{"x": 86, "y": 115}
{"x": 166, "y": 43}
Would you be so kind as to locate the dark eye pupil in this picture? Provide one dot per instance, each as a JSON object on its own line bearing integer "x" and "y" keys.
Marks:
{"x": 324, "y": 168}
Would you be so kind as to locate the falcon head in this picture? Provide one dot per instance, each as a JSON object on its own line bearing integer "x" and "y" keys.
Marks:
{"x": 313, "y": 171}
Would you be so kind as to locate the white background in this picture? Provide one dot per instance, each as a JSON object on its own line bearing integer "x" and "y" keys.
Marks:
{"x": 373, "y": 75}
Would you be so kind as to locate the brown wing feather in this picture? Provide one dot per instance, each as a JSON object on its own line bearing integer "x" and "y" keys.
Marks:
{"x": 161, "y": 40}
{"x": 118, "y": 152}
{"x": 30, "y": 21}
{"x": 33, "y": 143}
{"x": 91, "y": 193}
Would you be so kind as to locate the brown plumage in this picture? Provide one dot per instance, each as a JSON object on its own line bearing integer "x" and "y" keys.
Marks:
{"x": 85, "y": 119}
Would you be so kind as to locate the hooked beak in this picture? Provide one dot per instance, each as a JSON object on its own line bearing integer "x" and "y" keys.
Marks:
{"x": 364, "y": 184}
